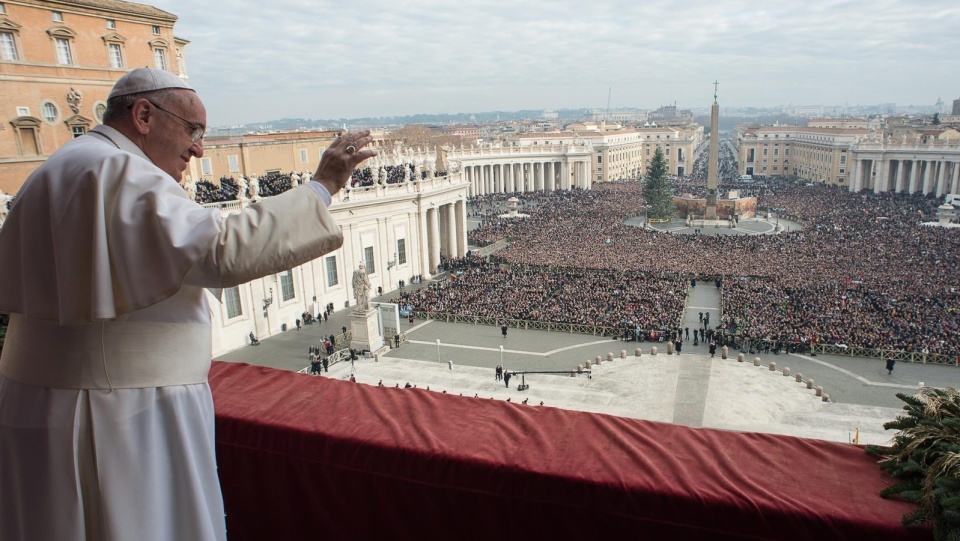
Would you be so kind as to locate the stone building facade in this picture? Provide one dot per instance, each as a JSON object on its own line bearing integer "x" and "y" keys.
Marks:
{"x": 58, "y": 61}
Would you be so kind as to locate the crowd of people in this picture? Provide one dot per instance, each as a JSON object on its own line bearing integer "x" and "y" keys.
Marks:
{"x": 391, "y": 174}
{"x": 605, "y": 298}
{"x": 862, "y": 272}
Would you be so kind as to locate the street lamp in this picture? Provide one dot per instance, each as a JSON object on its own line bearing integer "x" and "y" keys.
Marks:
{"x": 501, "y": 356}
{"x": 438, "y": 351}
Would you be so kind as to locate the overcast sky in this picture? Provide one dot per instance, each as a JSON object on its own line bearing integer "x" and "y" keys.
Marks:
{"x": 257, "y": 61}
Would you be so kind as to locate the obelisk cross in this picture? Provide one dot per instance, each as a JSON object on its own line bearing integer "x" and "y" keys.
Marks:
{"x": 715, "y": 83}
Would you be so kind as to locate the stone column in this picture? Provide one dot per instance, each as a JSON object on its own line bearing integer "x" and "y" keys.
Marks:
{"x": 538, "y": 176}
{"x": 854, "y": 176}
{"x": 452, "y": 232}
{"x": 900, "y": 170}
{"x": 858, "y": 176}
{"x": 565, "y": 174}
{"x": 423, "y": 242}
{"x": 551, "y": 177}
{"x": 927, "y": 177}
{"x": 939, "y": 169}
{"x": 460, "y": 212}
{"x": 511, "y": 178}
{"x": 433, "y": 225}
{"x": 880, "y": 183}
{"x": 444, "y": 251}
{"x": 955, "y": 184}
{"x": 914, "y": 176}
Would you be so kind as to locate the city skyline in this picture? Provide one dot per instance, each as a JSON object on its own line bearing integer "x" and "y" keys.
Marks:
{"x": 385, "y": 59}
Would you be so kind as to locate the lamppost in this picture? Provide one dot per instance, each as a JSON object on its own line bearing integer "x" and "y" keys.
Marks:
{"x": 438, "y": 351}
{"x": 501, "y": 356}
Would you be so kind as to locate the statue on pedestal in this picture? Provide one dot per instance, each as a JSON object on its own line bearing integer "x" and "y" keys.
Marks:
{"x": 241, "y": 189}
{"x": 361, "y": 288}
{"x": 294, "y": 180}
{"x": 254, "y": 187}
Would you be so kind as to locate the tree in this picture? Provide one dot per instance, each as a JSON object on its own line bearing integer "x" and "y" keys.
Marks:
{"x": 658, "y": 188}
{"x": 936, "y": 119}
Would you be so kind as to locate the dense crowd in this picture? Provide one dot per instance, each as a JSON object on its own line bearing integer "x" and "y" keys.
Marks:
{"x": 390, "y": 174}
{"x": 862, "y": 271}
{"x": 610, "y": 298}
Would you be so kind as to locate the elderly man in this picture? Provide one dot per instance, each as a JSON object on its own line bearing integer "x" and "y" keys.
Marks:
{"x": 106, "y": 417}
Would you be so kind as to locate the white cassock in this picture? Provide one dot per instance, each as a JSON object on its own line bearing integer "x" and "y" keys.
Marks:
{"x": 106, "y": 417}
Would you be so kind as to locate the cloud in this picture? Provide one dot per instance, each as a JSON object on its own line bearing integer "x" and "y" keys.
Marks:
{"x": 297, "y": 58}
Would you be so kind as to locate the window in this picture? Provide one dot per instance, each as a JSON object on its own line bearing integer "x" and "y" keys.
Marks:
{"x": 116, "y": 56}
{"x": 401, "y": 251}
{"x": 231, "y": 297}
{"x": 776, "y": 152}
{"x": 50, "y": 112}
{"x": 98, "y": 110}
{"x": 599, "y": 169}
{"x": 599, "y": 158}
{"x": 786, "y": 151}
{"x": 156, "y": 30}
{"x": 368, "y": 261}
{"x": 8, "y": 47}
{"x": 159, "y": 59}
{"x": 303, "y": 156}
{"x": 78, "y": 131}
{"x": 57, "y": 17}
{"x": 206, "y": 168}
{"x": 23, "y": 111}
{"x": 843, "y": 160}
{"x": 111, "y": 24}
{"x": 765, "y": 151}
{"x": 26, "y": 130}
{"x": 286, "y": 286}
{"x": 332, "y": 278}
{"x": 232, "y": 161}
{"x": 63, "y": 51}
{"x": 3, "y": 9}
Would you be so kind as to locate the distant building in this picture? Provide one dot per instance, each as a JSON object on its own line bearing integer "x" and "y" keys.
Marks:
{"x": 59, "y": 61}
{"x": 956, "y": 106}
{"x": 671, "y": 114}
{"x": 818, "y": 153}
{"x": 622, "y": 154}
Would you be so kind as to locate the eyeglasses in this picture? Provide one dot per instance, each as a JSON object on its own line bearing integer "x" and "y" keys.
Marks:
{"x": 195, "y": 130}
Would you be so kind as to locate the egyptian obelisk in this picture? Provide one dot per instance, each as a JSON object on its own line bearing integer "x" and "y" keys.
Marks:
{"x": 714, "y": 163}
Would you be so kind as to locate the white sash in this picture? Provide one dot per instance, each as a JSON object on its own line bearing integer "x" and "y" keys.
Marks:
{"x": 105, "y": 354}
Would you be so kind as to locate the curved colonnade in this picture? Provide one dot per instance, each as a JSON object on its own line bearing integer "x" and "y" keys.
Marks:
{"x": 903, "y": 167}
{"x": 489, "y": 170}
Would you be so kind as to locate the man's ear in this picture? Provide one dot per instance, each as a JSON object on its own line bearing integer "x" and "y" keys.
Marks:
{"x": 142, "y": 117}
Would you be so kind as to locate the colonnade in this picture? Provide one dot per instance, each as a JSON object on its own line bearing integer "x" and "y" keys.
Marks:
{"x": 938, "y": 175}
{"x": 445, "y": 232}
{"x": 527, "y": 176}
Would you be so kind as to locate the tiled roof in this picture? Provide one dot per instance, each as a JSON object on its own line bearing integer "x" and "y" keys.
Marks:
{"x": 110, "y": 5}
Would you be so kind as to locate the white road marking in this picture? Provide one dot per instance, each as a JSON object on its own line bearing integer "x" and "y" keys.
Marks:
{"x": 857, "y": 377}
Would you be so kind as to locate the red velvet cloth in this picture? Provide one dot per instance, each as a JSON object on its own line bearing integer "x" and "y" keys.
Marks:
{"x": 304, "y": 457}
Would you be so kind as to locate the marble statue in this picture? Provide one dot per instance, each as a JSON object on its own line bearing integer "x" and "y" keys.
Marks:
{"x": 254, "y": 189}
{"x": 361, "y": 288}
{"x": 190, "y": 186}
{"x": 3, "y": 207}
{"x": 241, "y": 188}
{"x": 294, "y": 180}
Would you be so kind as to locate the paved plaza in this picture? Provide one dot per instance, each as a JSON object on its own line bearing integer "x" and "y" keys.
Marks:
{"x": 690, "y": 388}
